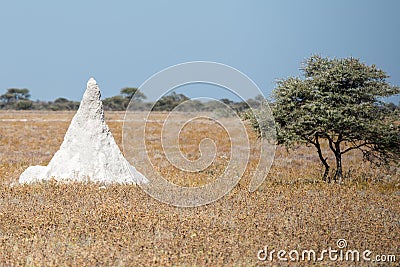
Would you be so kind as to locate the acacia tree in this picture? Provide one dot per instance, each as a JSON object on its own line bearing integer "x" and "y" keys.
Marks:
{"x": 339, "y": 101}
{"x": 169, "y": 102}
{"x": 121, "y": 102}
{"x": 129, "y": 92}
{"x": 15, "y": 94}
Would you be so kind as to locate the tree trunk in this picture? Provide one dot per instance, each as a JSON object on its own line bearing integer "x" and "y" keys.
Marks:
{"x": 325, "y": 178}
{"x": 326, "y": 173}
{"x": 338, "y": 156}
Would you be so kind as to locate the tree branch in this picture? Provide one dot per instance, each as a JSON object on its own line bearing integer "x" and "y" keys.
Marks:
{"x": 331, "y": 143}
{"x": 356, "y": 147}
{"x": 309, "y": 140}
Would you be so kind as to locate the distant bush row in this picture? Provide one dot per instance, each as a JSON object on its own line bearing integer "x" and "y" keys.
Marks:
{"x": 19, "y": 99}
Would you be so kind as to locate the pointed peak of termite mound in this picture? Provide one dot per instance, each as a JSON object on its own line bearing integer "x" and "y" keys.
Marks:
{"x": 92, "y": 92}
{"x": 91, "y": 105}
{"x": 89, "y": 151}
{"x": 90, "y": 82}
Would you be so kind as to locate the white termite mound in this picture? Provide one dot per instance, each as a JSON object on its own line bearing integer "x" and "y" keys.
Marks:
{"x": 88, "y": 152}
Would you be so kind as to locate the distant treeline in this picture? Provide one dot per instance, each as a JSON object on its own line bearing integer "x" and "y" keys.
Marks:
{"x": 19, "y": 99}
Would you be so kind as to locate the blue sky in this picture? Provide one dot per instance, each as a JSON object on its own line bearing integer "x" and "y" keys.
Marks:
{"x": 53, "y": 47}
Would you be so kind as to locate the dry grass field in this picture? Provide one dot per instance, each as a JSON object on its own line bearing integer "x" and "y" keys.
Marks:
{"x": 52, "y": 224}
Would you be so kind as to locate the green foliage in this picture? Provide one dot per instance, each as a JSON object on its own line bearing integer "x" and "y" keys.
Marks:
{"x": 61, "y": 100}
{"x": 16, "y": 98}
{"x": 7, "y": 98}
{"x": 121, "y": 102}
{"x": 129, "y": 92}
{"x": 169, "y": 102}
{"x": 63, "y": 104}
{"x": 339, "y": 101}
{"x": 15, "y": 94}
{"x": 117, "y": 102}
{"x": 24, "y": 104}
{"x": 260, "y": 119}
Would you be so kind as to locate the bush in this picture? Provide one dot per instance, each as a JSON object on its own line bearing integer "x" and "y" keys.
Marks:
{"x": 24, "y": 104}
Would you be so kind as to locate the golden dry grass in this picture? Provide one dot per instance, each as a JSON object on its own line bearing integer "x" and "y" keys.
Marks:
{"x": 74, "y": 225}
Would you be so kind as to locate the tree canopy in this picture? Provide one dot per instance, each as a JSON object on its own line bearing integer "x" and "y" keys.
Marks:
{"x": 15, "y": 94}
{"x": 338, "y": 100}
{"x": 129, "y": 92}
{"x": 169, "y": 102}
{"x": 16, "y": 98}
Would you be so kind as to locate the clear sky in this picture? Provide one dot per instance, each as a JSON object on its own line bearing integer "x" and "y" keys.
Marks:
{"x": 53, "y": 47}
